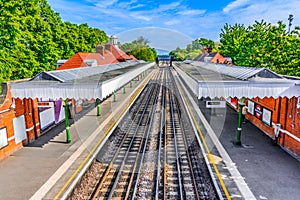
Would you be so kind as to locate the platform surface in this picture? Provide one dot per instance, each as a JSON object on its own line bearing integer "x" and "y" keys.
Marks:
{"x": 268, "y": 170}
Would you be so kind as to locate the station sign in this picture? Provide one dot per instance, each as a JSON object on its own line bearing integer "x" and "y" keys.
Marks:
{"x": 215, "y": 104}
{"x": 44, "y": 104}
{"x": 260, "y": 112}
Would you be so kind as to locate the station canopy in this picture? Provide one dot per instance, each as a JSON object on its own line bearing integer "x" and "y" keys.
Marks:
{"x": 219, "y": 80}
{"x": 78, "y": 83}
{"x": 204, "y": 79}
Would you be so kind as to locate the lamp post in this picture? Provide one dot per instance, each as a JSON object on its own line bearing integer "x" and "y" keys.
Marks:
{"x": 241, "y": 104}
{"x": 290, "y": 22}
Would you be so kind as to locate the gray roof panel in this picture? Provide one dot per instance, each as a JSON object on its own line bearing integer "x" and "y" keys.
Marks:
{"x": 238, "y": 72}
{"x": 78, "y": 73}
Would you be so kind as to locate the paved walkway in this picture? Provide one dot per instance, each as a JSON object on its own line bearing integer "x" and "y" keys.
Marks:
{"x": 268, "y": 170}
{"x": 40, "y": 169}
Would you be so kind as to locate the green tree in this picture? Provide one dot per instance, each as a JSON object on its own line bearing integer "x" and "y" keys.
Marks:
{"x": 146, "y": 54}
{"x": 33, "y": 37}
{"x": 139, "y": 43}
{"x": 140, "y": 49}
{"x": 179, "y": 54}
{"x": 192, "y": 50}
{"x": 262, "y": 45}
{"x": 201, "y": 43}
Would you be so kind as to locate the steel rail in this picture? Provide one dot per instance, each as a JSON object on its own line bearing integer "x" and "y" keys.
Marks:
{"x": 165, "y": 195}
{"x": 108, "y": 168}
{"x": 160, "y": 138}
{"x": 129, "y": 147}
{"x": 181, "y": 192}
{"x": 144, "y": 149}
{"x": 175, "y": 89}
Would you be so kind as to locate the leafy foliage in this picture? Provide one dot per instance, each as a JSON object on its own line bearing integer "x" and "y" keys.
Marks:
{"x": 33, "y": 37}
{"x": 192, "y": 50}
{"x": 140, "y": 49}
{"x": 262, "y": 45}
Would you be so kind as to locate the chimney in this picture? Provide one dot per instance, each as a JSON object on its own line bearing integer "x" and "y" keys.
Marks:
{"x": 209, "y": 49}
{"x": 204, "y": 50}
{"x": 108, "y": 47}
{"x": 100, "y": 49}
{"x": 128, "y": 52}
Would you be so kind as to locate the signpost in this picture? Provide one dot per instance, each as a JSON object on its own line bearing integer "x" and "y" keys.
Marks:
{"x": 215, "y": 104}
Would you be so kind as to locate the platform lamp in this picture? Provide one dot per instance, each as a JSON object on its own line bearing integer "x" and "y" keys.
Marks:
{"x": 290, "y": 22}
{"x": 241, "y": 104}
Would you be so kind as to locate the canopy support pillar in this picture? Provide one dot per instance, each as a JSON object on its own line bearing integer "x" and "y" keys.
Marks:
{"x": 67, "y": 120}
{"x": 98, "y": 107}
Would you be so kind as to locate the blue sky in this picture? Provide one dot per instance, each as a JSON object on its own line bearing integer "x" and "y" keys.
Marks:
{"x": 171, "y": 23}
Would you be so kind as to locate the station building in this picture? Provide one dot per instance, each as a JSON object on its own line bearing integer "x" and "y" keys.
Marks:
{"x": 283, "y": 121}
{"x": 24, "y": 120}
{"x": 277, "y": 116}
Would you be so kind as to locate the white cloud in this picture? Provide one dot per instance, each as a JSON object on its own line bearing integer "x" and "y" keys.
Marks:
{"x": 130, "y": 5}
{"x": 141, "y": 17}
{"x": 270, "y": 11}
{"x": 172, "y": 22}
{"x": 106, "y": 4}
{"x": 192, "y": 12}
{"x": 115, "y": 16}
{"x": 137, "y": 6}
{"x": 166, "y": 7}
{"x": 234, "y": 5}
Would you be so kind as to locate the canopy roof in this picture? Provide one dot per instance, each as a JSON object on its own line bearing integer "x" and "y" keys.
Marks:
{"x": 292, "y": 91}
{"x": 78, "y": 73}
{"x": 239, "y": 72}
{"x": 79, "y": 83}
{"x": 216, "y": 80}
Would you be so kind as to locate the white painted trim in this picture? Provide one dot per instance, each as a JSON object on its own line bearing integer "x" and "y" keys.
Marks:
{"x": 3, "y": 111}
{"x": 11, "y": 138}
{"x": 288, "y": 133}
{"x": 29, "y": 129}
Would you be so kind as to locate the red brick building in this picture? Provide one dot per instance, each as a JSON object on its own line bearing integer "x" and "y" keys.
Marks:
{"x": 19, "y": 123}
{"x": 281, "y": 111}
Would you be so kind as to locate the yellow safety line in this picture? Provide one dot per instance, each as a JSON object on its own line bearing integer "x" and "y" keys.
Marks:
{"x": 208, "y": 152}
{"x": 99, "y": 142}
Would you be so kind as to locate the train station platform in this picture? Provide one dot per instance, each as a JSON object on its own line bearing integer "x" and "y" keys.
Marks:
{"x": 268, "y": 170}
{"x": 39, "y": 170}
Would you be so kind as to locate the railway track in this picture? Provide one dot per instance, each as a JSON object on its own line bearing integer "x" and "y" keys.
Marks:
{"x": 153, "y": 154}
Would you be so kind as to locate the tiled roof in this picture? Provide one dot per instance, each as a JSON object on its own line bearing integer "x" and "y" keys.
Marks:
{"x": 119, "y": 54}
{"x": 109, "y": 58}
{"x": 202, "y": 56}
{"x": 108, "y": 55}
{"x": 78, "y": 60}
{"x": 132, "y": 57}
